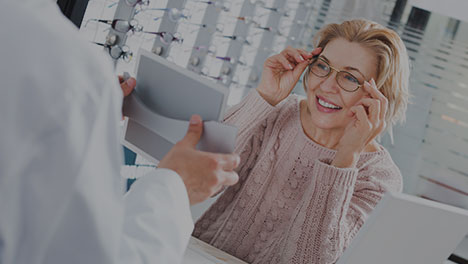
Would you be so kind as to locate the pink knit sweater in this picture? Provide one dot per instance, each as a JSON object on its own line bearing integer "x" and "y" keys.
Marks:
{"x": 290, "y": 205}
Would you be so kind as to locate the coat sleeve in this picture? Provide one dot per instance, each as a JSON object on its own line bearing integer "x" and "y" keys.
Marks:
{"x": 157, "y": 220}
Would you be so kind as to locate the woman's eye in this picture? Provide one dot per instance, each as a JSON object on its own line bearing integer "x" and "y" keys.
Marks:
{"x": 322, "y": 66}
{"x": 351, "y": 78}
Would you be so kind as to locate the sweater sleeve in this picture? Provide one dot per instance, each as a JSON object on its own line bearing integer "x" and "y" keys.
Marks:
{"x": 341, "y": 200}
{"x": 250, "y": 116}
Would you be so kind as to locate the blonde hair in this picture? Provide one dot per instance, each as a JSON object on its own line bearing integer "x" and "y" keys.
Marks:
{"x": 393, "y": 64}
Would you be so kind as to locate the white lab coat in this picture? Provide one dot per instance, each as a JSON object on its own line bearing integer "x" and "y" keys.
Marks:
{"x": 60, "y": 187}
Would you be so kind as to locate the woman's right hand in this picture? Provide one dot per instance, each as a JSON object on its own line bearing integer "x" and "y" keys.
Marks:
{"x": 281, "y": 72}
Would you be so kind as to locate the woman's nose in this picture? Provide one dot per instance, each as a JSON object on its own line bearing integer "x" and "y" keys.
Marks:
{"x": 330, "y": 84}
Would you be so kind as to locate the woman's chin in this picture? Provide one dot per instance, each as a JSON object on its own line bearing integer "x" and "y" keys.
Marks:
{"x": 327, "y": 121}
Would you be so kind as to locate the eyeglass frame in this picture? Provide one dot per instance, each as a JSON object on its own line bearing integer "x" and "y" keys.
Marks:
{"x": 138, "y": 2}
{"x": 338, "y": 71}
{"x": 123, "y": 54}
{"x": 133, "y": 24}
{"x": 161, "y": 35}
{"x": 183, "y": 13}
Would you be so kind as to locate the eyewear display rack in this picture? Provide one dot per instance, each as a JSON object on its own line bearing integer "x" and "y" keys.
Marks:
{"x": 241, "y": 31}
{"x": 204, "y": 39}
{"x": 266, "y": 43}
{"x": 126, "y": 10}
{"x": 116, "y": 39}
{"x": 159, "y": 47}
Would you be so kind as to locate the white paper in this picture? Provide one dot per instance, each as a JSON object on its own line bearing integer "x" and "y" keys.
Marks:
{"x": 216, "y": 137}
{"x": 165, "y": 97}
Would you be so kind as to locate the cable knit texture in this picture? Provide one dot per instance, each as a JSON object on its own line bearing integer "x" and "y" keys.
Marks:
{"x": 290, "y": 205}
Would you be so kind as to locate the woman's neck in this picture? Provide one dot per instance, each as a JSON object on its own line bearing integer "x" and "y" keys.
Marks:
{"x": 328, "y": 138}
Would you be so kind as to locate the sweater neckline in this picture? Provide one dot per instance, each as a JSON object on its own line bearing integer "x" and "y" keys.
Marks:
{"x": 315, "y": 145}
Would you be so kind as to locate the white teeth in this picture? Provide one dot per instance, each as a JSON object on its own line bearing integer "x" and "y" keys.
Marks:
{"x": 327, "y": 105}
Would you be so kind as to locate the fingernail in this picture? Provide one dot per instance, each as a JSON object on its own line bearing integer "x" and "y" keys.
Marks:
{"x": 290, "y": 66}
{"x": 195, "y": 120}
{"x": 238, "y": 160}
{"x": 131, "y": 82}
{"x": 301, "y": 58}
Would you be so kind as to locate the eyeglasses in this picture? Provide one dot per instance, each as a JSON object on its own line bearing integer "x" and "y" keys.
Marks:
{"x": 120, "y": 25}
{"x": 321, "y": 68}
{"x": 117, "y": 52}
{"x": 228, "y": 59}
{"x": 133, "y": 3}
{"x": 245, "y": 40}
{"x": 240, "y": 61}
{"x": 205, "y": 49}
{"x": 270, "y": 29}
{"x": 211, "y": 29}
{"x": 174, "y": 14}
{"x": 280, "y": 11}
{"x": 223, "y": 6}
{"x": 166, "y": 37}
{"x": 246, "y": 19}
{"x": 206, "y": 72}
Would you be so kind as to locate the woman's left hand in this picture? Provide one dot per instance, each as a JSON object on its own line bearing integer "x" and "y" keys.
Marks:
{"x": 369, "y": 121}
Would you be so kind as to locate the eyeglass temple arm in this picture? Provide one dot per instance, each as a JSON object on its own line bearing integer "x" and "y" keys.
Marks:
{"x": 98, "y": 20}
{"x": 153, "y": 32}
{"x": 102, "y": 44}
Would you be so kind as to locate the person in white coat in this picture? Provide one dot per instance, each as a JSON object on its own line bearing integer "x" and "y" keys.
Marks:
{"x": 60, "y": 187}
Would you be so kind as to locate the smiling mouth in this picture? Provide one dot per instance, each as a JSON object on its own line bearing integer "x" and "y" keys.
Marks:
{"x": 327, "y": 105}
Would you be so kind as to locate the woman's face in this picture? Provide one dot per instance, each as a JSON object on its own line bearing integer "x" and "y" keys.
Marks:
{"x": 327, "y": 102}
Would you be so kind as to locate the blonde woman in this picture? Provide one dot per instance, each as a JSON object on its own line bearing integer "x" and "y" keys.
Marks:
{"x": 311, "y": 169}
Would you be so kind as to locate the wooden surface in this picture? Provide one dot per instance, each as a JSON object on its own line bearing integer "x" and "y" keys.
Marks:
{"x": 199, "y": 252}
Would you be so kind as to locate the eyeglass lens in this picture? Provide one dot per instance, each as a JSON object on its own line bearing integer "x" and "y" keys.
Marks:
{"x": 345, "y": 80}
{"x": 125, "y": 26}
{"x": 167, "y": 37}
{"x": 136, "y": 2}
{"x": 122, "y": 26}
{"x": 117, "y": 52}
